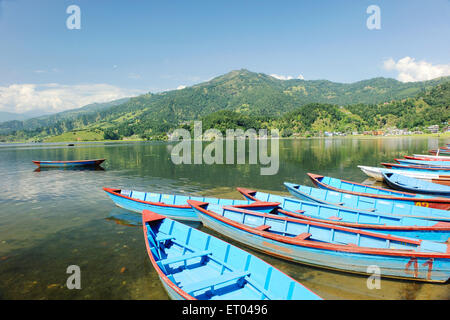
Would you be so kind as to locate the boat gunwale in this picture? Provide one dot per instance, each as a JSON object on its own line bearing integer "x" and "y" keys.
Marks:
{"x": 257, "y": 203}
{"x": 370, "y": 195}
{"x": 323, "y": 245}
{"x": 161, "y": 274}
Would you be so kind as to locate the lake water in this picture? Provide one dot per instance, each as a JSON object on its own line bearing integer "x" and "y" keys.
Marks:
{"x": 53, "y": 218}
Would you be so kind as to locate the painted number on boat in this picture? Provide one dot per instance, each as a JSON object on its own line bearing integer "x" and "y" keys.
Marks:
{"x": 422, "y": 204}
{"x": 415, "y": 267}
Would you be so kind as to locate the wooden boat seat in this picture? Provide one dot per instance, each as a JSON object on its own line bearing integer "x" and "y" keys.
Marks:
{"x": 263, "y": 227}
{"x": 164, "y": 238}
{"x": 303, "y": 236}
{"x": 184, "y": 257}
{"x": 210, "y": 283}
{"x": 260, "y": 288}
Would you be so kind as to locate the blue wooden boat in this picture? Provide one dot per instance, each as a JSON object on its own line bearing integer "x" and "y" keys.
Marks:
{"x": 425, "y": 163}
{"x": 369, "y": 221}
{"x": 381, "y": 193}
{"x": 73, "y": 163}
{"x": 417, "y": 168}
{"x": 193, "y": 265}
{"x": 400, "y": 182}
{"x": 427, "y": 157}
{"x": 330, "y": 246}
{"x": 170, "y": 205}
{"x": 350, "y": 201}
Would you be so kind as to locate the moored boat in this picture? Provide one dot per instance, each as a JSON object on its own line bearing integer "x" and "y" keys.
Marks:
{"x": 352, "y": 218}
{"x": 170, "y": 205}
{"x": 427, "y": 157}
{"x": 351, "y": 187}
{"x": 330, "y": 246}
{"x": 440, "y": 170}
{"x": 403, "y": 183}
{"x": 71, "y": 163}
{"x": 376, "y": 173}
{"x": 424, "y": 163}
{"x": 193, "y": 265}
{"x": 439, "y": 151}
{"x": 350, "y": 201}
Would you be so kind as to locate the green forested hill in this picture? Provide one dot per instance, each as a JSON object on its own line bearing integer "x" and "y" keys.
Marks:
{"x": 257, "y": 99}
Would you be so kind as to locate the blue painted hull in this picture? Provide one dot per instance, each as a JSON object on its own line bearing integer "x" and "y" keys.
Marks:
{"x": 68, "y": 164}
{"x": 187, "y": 214}
{"x": 425, "y": 163}
{"x": 409, "y": 184}
{"x": 366, "y": 203}
{"x": 390, "y": 266}
{"x": 171, "y": 206}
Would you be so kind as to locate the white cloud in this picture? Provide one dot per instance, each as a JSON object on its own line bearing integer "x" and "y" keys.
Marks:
{"x": 181, "y": 87}
{"x": 281, "y": 77}
{"x": 54, "y": 97}
{"x": 411, "y": 70}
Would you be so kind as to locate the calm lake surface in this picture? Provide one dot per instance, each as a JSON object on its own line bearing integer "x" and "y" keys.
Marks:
{"x": 55, "y": 218}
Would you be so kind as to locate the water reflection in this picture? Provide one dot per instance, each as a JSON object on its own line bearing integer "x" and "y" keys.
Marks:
{"x": 85, "y": 168}
{"x": 52, "y": 219}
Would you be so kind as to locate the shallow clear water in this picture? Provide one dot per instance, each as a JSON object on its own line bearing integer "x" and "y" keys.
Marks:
{"x": 54, "y": 218}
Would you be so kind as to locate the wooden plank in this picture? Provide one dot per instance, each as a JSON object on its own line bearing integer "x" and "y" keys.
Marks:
{"x": 185, "y": 257}
{"x": 208, "y": 283}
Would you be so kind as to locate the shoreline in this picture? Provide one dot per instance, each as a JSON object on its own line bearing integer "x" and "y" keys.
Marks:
{"x": 427, "y": 135}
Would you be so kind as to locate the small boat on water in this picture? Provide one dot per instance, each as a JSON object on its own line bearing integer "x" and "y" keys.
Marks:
{"x": 377, "y": 173}
{"x": 369, "y": 221}
{"x": 381, "y": 193}
{"x": 367, "y": 204}
{"x": 330, "y": 246}
{"x": 399, "y": 182}
{"x": 171, "y": 205}
{"x": 71, "y": 163}
{"x": 424, "y": 163}
{"x": 193, "y": 265}
{"x": 439, "y": 151}
{"x": 427, "y": 157}
{"x": 444, "y": 171}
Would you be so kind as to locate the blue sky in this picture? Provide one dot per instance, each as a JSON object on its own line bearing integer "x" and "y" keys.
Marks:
{"x": 128, "y": 47}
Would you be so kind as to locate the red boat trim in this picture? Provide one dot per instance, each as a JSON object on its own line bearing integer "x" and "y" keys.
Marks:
{"x": 148, "y": 216}
{"x": 424, "y": 158}
{"x": 256, "y": 204}
{"x": 248, "y": 193}
{"x": 325, "y": 246}
{"x": 160, "y": 204}
{"x": 317, "y": 182}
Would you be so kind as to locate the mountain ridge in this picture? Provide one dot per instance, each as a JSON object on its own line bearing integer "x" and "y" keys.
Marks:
{"x": 241, "y": 91}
